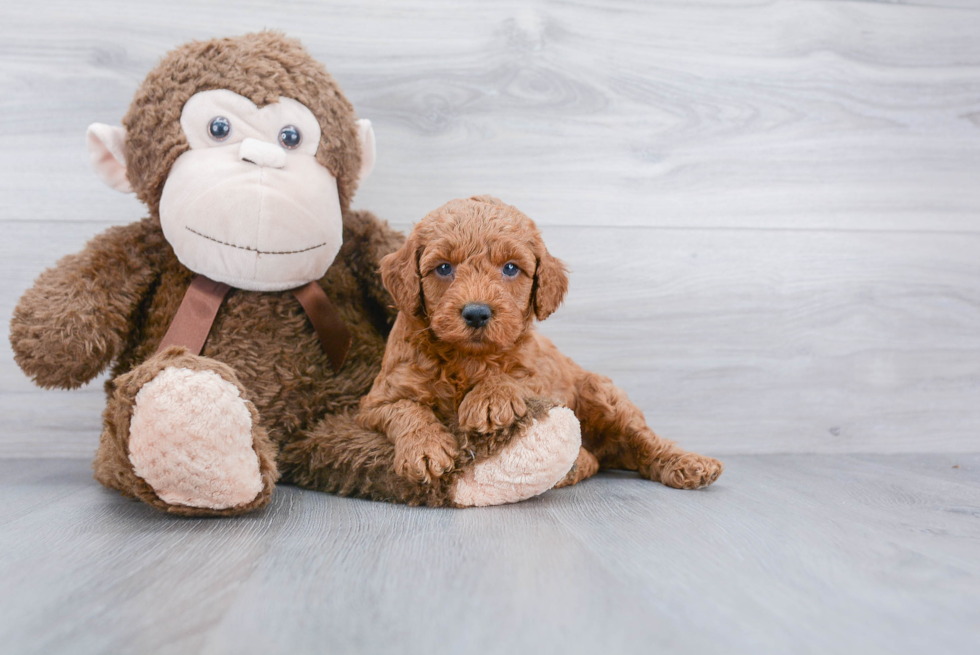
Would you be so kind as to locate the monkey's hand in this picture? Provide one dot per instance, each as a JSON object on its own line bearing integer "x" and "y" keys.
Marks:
{"x": 492, "y": 404}
{"x": 68, "y": 327}
{"x": 425, "y": 455}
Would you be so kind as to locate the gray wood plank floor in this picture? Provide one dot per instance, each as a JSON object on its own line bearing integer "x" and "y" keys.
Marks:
{"x": 771, "y": 214}
{"x": 785, "y": 554}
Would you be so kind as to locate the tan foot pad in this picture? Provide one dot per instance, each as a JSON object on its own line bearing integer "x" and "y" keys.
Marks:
{"x": 191, "y": 440}
{"x": 526, "y": 467}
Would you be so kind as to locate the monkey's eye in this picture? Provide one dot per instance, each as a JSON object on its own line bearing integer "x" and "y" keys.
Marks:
{"x": 444, "y": 270}
{"x": 219, "y": 128}
{"x": 511, "y": 269}
{"x": 289, "y": 137}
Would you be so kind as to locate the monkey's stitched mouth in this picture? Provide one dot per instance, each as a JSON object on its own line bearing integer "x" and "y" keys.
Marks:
{"x": 251, "y": 249}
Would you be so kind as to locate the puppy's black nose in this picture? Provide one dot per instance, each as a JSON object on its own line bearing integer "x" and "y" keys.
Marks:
{"x": 476, "y": 314}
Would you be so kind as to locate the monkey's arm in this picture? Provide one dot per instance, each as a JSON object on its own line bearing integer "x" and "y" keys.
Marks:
{"x": 68, "y": 327}
{"x": 366, "y": 240}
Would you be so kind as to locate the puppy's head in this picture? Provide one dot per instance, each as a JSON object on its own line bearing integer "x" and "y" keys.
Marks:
{"x": 477, "y": 272}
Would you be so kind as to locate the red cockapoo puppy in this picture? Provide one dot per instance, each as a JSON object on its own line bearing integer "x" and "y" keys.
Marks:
{"x": 464, "y": 355}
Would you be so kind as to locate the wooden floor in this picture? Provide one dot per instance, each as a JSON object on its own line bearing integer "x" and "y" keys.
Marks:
{"x": 772, "y": 217}
{"x": 785, "y": 554}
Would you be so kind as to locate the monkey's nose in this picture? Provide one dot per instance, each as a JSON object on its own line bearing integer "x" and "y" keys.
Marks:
{"x": 476, "y": 314}
{"x": 262, "y": 153}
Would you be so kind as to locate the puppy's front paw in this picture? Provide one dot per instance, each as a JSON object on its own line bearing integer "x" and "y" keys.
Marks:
{"x": 426, "y": 457}
{"x": 488, "y": 408}
{"x": 691, "y": 471}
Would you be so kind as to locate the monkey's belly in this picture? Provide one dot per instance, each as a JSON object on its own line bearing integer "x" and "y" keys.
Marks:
{"x": 269, "y": 341}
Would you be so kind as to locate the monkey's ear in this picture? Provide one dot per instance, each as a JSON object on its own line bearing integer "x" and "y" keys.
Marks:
{"x": 365, "y": 135}
{"x": 107, "y": 150}
{"x": 400, "y": 275}
{"x": 550, "y": 284}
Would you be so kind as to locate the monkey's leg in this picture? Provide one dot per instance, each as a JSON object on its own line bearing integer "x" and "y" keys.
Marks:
{"x": 518, "y": 462}
{"x": 542, "y": 450}
{"x": 339, "y": 456}
{"x": 613, "y": 428}
{"x": 180, "y": 435}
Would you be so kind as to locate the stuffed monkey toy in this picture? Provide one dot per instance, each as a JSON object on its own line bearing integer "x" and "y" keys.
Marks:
{"x": 244, "y": 317}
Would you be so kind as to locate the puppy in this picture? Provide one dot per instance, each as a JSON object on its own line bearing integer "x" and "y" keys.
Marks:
{"x": 463, "y": 353}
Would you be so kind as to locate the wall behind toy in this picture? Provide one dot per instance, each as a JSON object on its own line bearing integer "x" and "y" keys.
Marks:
{"x": 771, "y": 210}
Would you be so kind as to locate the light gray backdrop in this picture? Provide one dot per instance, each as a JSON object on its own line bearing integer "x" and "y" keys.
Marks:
{"x": 770, "y": 209}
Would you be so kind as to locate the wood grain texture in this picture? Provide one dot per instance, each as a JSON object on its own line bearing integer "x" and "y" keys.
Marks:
{"x": 729, "y": 340}
{"x": 770, "y": 209}
{"x": 851, "y": 115}
{"x": 801, "y": 554}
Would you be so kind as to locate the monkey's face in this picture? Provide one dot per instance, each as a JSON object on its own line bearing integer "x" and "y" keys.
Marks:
{"x": 248, "y": 204}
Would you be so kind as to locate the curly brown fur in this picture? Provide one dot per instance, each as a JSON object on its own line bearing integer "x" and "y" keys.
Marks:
{"x": 116, "y": 299}
{"x": 440, "y": 370}
{"x": 80, "y": 314}
{"x": 585, "y": 466}
{"x": 340, "y": 456}
{"x": 112, "y": 464}
{"x": 261, "y": 67}
{"x": 112, "y": 303}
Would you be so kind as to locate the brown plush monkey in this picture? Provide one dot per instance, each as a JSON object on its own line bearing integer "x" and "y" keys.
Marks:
{"x": 244, "y": 317}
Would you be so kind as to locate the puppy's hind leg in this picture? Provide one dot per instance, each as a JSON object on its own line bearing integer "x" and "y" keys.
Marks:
{"x": 585, "y": 466}
{"x": 613, "y": 429}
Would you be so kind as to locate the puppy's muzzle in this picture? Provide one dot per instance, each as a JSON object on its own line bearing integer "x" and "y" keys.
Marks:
{"x": 476, "y": 314}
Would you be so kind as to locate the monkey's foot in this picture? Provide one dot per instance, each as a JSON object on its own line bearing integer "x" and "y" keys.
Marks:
{"x": 527, "y": 466}
{"x": 191, "y": 440}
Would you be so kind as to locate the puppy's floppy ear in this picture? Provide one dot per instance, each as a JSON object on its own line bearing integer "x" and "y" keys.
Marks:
{"x": 400, "y": 275}
{"x": 550, "y": 284}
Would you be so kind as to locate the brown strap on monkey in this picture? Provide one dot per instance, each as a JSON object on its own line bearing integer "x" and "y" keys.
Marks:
{"x": 330, "y": 327}
{"x": 196, "y": 313}
{"x": 203, "y": 299}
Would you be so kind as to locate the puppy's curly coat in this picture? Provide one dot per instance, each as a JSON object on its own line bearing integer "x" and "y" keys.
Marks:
{"x": 463, "y": 354}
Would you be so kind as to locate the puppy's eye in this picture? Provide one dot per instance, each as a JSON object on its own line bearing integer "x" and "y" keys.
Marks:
{"x": 444, "y": 270}
{"x": 511, "y": 269}
{"x": 290, "y": 137}
{"x": 219, "y": 128}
